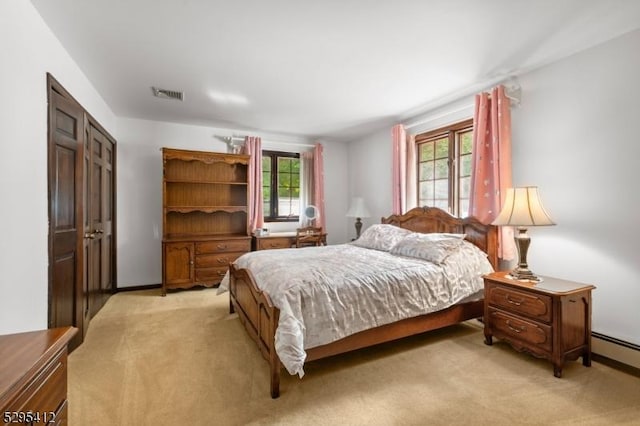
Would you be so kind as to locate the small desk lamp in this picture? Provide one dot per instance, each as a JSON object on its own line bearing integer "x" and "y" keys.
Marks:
{"x": 523, "y": 208}
{"x": 358, "y": 210}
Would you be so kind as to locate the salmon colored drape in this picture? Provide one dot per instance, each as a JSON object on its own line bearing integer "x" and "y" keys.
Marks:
{"x": 318, "y": 183}
{"x": 253, "y": 147}
{"x": 411, "y": 187}
{"x": 491, "y": 165}
{"x": 398, "y": 170}
{"x": 403, "y": 170}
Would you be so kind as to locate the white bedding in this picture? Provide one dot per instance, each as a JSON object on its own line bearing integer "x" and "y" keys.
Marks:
{"x": 327, "y": 293}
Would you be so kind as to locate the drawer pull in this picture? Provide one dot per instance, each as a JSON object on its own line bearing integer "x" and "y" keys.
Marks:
{"x": 516, "y": 302}
{"x": 223, "y": 261}
{"x": 516, "y": 329}
{"x": 221, "y": 246}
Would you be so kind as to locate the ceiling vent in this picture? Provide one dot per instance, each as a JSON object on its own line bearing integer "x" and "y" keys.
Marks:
{"x": 168, "y": 94}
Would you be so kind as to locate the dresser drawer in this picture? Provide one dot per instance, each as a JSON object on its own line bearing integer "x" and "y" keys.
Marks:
{"x": 275, "y": 243}
{"x": 223, "y": 246}
{"x": 210, "y": 274}
{"x": 537, "y": 306}
{"x": 217, "y": 259}
{"x": 535, "y": 334}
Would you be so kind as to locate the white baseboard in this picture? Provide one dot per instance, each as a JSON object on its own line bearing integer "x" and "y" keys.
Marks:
{"x": 617, "y": 350}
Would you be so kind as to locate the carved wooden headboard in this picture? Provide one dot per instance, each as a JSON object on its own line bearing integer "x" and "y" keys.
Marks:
{"x": 431, "y": 219}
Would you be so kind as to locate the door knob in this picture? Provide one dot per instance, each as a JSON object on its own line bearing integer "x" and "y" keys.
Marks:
{"x": 89, "y": 235}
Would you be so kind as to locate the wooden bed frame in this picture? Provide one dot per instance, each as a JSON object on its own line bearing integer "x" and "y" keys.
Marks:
{"x": 260, "y": 317}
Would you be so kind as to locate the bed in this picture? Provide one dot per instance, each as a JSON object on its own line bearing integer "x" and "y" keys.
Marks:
{"x": 261, "y": 318}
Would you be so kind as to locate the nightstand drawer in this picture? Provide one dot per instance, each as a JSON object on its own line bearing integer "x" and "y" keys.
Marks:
{"x": 276, "y": 243}
{"x": 520, "y": 329}
{"x": 223, "y": 246}
{"x": 533, "y": 305}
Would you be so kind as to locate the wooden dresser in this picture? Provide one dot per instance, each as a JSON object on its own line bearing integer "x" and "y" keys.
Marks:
{"x": 33, "y": 376}
{"x": 550, "y": 319}
{"x": 205, "y": 216}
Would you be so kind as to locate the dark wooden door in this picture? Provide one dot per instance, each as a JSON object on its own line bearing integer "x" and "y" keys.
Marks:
{"x": 66, "y": 127}
{"x": 107, "y": 278}
{"x": 99, "y": 220}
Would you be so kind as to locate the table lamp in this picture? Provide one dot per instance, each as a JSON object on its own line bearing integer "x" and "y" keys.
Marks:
{"x": 523, "y": 208}
{"x": 358, "y": 210}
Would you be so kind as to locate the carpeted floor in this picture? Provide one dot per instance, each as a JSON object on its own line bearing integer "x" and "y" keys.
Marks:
{"x": 183, "y": 359}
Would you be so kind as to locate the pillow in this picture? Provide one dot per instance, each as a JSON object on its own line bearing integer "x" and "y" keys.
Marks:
{"x": 381, "y": 237}
{"x": 424, "y": 246}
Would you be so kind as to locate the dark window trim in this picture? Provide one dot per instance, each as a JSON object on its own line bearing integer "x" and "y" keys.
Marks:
{"x": 270, "y": 216}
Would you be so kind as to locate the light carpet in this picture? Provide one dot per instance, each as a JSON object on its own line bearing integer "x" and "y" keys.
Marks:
{"x": 183, "y": 359}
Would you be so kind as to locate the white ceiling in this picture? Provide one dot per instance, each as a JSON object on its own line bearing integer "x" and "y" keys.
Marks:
{"x": 332, "y": 69}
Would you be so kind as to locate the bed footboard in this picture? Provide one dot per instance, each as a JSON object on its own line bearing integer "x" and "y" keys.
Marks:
{"x": 259, "y": 317}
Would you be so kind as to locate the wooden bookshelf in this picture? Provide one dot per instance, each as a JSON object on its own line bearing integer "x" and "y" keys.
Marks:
{"x": 205, "y": 216}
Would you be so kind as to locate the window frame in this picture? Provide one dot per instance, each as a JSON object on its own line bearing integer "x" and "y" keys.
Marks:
{"x": 272, "y": 215}
{"x": 450, "y": 132}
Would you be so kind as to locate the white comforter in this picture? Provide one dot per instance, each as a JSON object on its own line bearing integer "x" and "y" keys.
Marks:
{"x": 327, "y": 293}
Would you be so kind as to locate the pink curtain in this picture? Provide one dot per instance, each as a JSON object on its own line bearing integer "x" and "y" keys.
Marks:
{"x": 318, "y": 183}
{"x": 403, "y": 170}
{"x": 491, "y": 164}
{"x": 253, "y": 147}
{"x": 398, "y": 178}
{"x": 411, "y": 198}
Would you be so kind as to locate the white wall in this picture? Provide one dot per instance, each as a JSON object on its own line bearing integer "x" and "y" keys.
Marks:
{"x": 29, "y": 50}
{"x": 574, "y": 136}
{"x": 140, "y": 188}
{"x": 370, "y": 177}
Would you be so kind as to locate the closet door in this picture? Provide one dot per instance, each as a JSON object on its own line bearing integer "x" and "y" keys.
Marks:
{"x": 82, "y": 228}
{"x": 99, "y": 220}
{"x": 65, "y": 215}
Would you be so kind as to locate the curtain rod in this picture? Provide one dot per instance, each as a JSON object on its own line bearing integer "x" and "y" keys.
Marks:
{"x": 512, "y": 93}
{"x": 230, "y": 139}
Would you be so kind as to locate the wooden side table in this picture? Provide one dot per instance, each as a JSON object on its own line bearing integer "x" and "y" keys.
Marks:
{"x": 550, "y": 319}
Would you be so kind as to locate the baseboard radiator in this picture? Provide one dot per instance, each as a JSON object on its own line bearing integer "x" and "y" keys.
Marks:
{"x": 618, "y": 350}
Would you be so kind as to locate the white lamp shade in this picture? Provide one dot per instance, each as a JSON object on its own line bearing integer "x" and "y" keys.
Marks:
{"x": 357, "y": 208}
{"x": 523, "y": 207}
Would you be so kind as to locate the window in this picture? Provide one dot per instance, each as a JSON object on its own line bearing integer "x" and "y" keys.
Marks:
{"x": 444, "y": 168}
{"x": 281, "y": 186}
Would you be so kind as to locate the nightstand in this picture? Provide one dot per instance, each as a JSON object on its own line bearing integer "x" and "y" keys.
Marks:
{"x": 550, "y": 319}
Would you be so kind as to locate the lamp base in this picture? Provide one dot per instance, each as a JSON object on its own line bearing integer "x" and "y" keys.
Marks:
{"x": 358, "y": 227}
{"x": 522, "y": 272}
